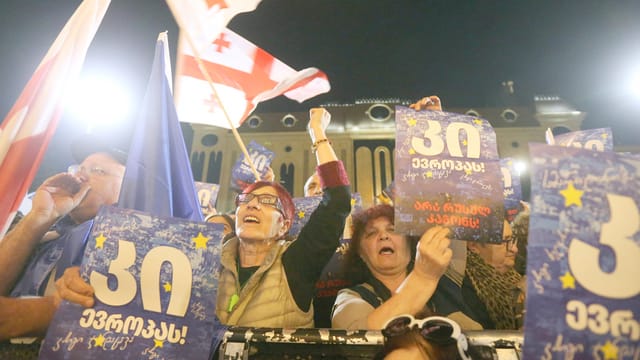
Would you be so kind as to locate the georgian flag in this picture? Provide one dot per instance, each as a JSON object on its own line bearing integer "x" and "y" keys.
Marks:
{"x": 243, "y": 75}
{"x": 203, "y": 20}
{"x": 28, "y": 127}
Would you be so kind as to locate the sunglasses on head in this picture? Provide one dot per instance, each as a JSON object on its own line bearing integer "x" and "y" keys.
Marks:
{"x": 435, "y": 329}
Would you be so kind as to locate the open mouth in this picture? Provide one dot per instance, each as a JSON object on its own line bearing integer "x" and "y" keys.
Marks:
{"x": 251, "y": 219}
{"x": 386, "y": 251}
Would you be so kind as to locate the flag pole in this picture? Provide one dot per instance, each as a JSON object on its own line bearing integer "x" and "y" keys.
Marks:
{"x": 236, "y": 135}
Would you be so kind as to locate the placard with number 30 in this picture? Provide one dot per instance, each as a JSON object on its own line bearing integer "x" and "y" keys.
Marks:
{"x": 583, "y": 265}
{"x": 154, "y": 288}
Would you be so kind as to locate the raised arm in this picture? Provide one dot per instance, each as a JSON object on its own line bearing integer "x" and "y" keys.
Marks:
{"x": 306, "y": 257}
{"x": 432, "y": 258}
{"x": 55, "y": 198}
{"x": 319, "y": 119}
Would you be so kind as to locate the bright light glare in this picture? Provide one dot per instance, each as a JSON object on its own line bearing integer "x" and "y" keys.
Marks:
{"x": 96, "y": 101}
{"x": 520, "y": 167}
{"x": 634, "y": 83}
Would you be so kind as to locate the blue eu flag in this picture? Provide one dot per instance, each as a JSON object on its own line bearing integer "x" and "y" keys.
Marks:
{"x": 158, "y": 178}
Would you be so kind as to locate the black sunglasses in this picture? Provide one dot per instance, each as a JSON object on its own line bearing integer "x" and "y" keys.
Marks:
{"x": 435, "y": 329}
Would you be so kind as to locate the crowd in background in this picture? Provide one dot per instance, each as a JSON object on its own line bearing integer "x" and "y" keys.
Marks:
{"x": 267, "y": 278}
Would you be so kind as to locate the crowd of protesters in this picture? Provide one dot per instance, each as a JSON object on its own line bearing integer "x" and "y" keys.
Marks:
{"x": 267, "y": 278}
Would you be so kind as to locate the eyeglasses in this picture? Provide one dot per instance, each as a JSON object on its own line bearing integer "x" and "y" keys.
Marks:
{"x": 435, "y": 329}
{"x": 94, "y": 170}
{"x": 510, "y": 242}
{"x": 264, "y": 199}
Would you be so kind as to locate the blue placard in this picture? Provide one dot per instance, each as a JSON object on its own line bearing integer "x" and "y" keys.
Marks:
{"x": 447, "y": 172}
{"x": 305, "y": 206}
{"x": 155, "y": 289}
{"x": 241, "y": 173}
{"x": 583, "y": 292}
{"x": 590, "y": 139}
{"x": 512, "y": 188}
{"x": 207, "y": 196}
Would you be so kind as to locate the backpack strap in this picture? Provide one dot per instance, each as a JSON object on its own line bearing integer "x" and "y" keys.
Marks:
{"x": 367, "y": 293}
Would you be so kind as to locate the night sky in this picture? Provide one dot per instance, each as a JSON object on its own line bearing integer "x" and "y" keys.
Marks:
{"x": 583, "y": 51}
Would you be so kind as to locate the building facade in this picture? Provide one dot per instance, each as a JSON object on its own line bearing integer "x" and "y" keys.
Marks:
{"x": 363, "y": 136}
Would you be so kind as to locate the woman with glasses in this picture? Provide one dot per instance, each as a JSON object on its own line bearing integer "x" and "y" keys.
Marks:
{"x": 491, "y": 285}
{"x": 268, "y": 280}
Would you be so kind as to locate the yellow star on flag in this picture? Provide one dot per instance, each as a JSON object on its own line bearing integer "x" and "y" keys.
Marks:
{"x": 98, "y": 341}
{"x": 412, "y": 122}
{"x": 609, "y": 350}
{"x": 412, "y": 152}
{"x": 478, "y": 121}
{"x": 568, "y": 281}
{"x": 353, "y": 202}
{"x": 572, "y": 196}
{"x": 100, "y": 239}
{"x": 167, "y": 287}
{"x": 157, "y": 343}
{"x": 300, "y": 214}
{"x": 200, "y": 241}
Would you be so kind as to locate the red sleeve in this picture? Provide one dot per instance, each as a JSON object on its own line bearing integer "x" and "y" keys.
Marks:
{"x": 332, "y": 174}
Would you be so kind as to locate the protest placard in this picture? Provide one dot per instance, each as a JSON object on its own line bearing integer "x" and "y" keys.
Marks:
{"x": 207, "y": 196}
{"x": 447, "y": 172}
{"x": 512, "y": 188}
{"x": 155, "y": 291}
{"x": 241, "y": 174}
{"x": 590, "y": 139}
{"x": 583, "y": 292}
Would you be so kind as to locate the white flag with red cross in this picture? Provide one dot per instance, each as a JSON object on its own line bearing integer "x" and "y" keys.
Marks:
{"x": 243, "y": 75}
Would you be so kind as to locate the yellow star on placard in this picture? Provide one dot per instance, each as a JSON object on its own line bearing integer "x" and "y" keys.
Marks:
{"x": 429, "y": 174}
{"x": 157, "y": 343}
{"x": 300, "y": 214}
{"x": 568, "y": 281}
{"x": 98, "y": 341}
{"x": 412, "y": 122}
{"x": 478, "y": 121}
{"x": 465, "y": 142}
{"x": 468, "y": 171}
{"x": 572, "y": 196}
{"x": 167, "y": 287}
{"x": 610, "y": 351}
{"x": 200, "y": 241}
{"x": 100, "y": 239}
{"x": 604, "y": 135}
{"x": 412, "y": 152}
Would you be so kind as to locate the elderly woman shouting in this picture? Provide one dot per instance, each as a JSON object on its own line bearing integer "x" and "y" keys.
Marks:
{"x": 396, "y": 276}
{"x": 267, "y": 280}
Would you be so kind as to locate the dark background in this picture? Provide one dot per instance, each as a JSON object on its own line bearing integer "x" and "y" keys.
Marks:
{"x": 586, "y": 52}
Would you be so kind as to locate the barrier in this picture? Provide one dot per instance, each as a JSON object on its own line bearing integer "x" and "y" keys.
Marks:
{"x": 269, "y": 343}
{"x": 274, "y": 343}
